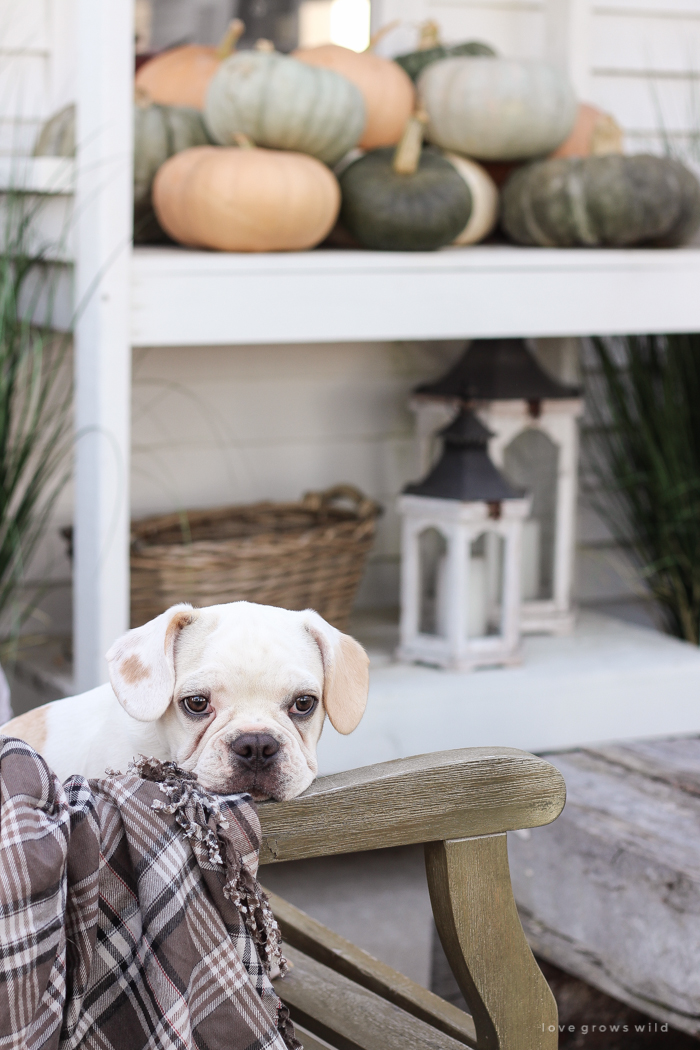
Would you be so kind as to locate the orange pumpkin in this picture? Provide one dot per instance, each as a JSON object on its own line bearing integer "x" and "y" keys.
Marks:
{"x": 246, "y": 199}
{"x": 181, "y": 76}
{"x": 595, "y": 133}
{"x": 386, "y": 88}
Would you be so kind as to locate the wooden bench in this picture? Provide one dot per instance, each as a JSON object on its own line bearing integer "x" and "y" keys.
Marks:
{"x": 460, "y": 804}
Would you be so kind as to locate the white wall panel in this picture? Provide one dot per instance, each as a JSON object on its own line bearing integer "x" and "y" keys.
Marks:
{"x": 24, "y": 26}
{"x": 514, "y": 29}
{"x": 645, "y": 65}
{"x": 658, "y": 8}
{"x": 645, "y": 44}
{"x": 237, "y": 424}
{"x": 644, "y": 103}
{"x": 37, "y": 65}
{"x": 23, "y": 84}
{"x": 62, "y": 65}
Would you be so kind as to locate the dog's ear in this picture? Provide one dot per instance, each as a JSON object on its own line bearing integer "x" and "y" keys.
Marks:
{"x": 345, "y": 673}
{"x": 142, "y": 663}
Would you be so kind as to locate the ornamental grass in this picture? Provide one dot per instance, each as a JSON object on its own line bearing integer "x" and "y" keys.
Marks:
{"x": 35, "y": 403}
{"x": 642, "y": 452}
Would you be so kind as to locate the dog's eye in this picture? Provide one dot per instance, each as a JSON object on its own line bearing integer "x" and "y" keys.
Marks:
{"x": 196, "y": 705}
{"x": 303, "y": 705}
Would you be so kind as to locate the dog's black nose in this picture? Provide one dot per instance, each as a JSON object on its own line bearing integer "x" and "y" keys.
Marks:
{"x": 256, "y": 750}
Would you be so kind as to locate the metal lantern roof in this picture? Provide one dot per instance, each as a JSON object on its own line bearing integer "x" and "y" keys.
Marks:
{"x": 497, "y": 370}
{"x": 464, "y": 470}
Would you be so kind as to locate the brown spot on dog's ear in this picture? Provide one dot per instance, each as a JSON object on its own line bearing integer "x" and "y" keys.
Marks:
{"x": 133, "y": 670}
{"x": 142, "y": 663}
{"x": 178, "y": 621}
{"x": 30, "y": 727}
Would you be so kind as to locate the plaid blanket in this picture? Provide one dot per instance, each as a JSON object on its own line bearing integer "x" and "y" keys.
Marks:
{"x": 130, "y": 914}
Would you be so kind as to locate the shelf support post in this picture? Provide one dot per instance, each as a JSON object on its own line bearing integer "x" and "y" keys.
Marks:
{"x": 103, "y": 210}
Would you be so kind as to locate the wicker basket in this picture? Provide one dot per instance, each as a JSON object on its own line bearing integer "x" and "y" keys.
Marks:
{"x": 309, "y": 554}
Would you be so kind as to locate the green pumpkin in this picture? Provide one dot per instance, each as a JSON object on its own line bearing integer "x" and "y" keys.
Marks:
{"x": 394, "y": 212}
{"x": 159, "y": 132}
{"x": 610, "y": 201}
{"x": 282, "y": 103}
{"x": 415, "y": 61}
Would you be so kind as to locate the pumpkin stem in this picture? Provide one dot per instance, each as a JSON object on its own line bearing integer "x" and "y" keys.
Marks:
{"x": 381, "y": 33}
{"x": 606, "y": 137}
{"x": 408, "y": 151}
{"x": 141, "y": 97}
{"x": 243, "y": 141}
{"x": 228, "y": 42}
{"x": 264, "y": 45}
{"x": 429, "y": 36}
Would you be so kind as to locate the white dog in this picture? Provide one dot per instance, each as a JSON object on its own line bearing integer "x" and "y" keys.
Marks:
{"x": 235, "y": 693}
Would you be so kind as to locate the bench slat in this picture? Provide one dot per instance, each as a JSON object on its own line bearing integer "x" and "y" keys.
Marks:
{"x": 314, "y": 939}
{"x": 348, "y": 1016}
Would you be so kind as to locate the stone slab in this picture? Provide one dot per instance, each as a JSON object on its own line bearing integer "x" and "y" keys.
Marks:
{"x": 611, "y": 891}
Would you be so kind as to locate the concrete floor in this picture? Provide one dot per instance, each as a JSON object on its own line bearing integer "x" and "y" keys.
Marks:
{"x": 379, "y": 900}
{"x": 608, "y": 680}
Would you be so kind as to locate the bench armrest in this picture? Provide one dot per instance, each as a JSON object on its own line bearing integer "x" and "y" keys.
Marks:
{"x": 445, "y": 795}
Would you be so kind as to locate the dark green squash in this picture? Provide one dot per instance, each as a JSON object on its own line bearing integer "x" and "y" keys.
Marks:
{"x": 430, "y": 49}
{"x": 415, "y": 61}
{"x": 609, "y": 201}
{"x": 406, "y": 199}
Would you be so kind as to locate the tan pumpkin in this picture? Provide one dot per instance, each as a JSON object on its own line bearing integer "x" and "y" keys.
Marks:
{"x": 386, "y": 88}
{"x": 172, "y": 190}
{"x": 484, "y": 192}
{"x": 594, "y": 134}
{"x": 246, "y": 199}
{"x": 181, "y": 76}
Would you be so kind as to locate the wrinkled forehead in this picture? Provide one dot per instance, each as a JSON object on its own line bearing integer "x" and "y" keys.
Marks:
{"x": 243, "y": 641}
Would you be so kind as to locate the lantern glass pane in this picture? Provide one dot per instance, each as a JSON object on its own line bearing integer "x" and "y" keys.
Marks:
{"x": 484, "y": 588}
{"x": 531, "y": 462}
{"x": 432, "y": 549}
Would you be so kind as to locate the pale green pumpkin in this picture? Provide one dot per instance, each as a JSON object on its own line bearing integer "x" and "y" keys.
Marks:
{"x": 159, "y": 133}
{"x": 496, "y": 109}
{"x": 57, "y": 136}
{"x": 282, "y": 103}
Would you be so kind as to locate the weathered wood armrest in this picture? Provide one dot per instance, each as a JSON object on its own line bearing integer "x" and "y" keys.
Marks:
{"x": 445, "y": 795}
{"x": 460, "y": 804}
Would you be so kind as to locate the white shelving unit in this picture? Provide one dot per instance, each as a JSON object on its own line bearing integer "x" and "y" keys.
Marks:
{"x": 173, "y": 297}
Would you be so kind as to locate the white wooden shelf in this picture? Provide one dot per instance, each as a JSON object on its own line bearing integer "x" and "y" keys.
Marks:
{"x": 607, "y": 681}
{"x": 181, "y": 297}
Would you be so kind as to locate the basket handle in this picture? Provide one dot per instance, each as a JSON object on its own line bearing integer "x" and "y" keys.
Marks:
{"x": 364, "y": 506}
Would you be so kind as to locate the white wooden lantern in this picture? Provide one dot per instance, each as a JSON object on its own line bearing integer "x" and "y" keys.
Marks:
{"x": 461, "y": 558}
{"x": 534, "y": 441}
